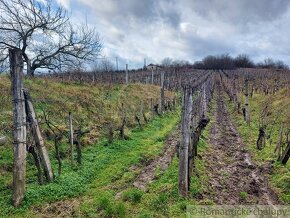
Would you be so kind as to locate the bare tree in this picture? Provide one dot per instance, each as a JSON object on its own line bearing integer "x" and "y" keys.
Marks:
{"x": 166, "y": 62}
{"x": 243, "y": 61}
{"x": 45, "y": 35}
{"x": 104, "y": 65}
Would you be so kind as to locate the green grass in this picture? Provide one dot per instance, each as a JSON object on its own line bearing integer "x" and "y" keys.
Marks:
{"x": 133, "y": 195}
{"x": 280, "y": 175}
{"x": 161, "y": 198}
{"x": 92, "y": 107}
{"x": 100, "y": 166}
{"x": 105, "y": 171}
{"x": 243, "y": 195}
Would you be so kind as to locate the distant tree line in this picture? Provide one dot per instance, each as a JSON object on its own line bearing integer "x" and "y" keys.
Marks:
{"x": 225, "y": 61}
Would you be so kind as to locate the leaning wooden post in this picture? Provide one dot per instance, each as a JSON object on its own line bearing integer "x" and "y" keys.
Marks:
{"x": 286, "y": 154}
{"x": 39, "y": 142}
{"x": 71, "y": 137}
{"x": 162, "y": 95}
{"x": 127, "y": 76}
{"x": 19, "y": 121}
{"x": 247, "y": 108}
{"x": 184, "y": 144}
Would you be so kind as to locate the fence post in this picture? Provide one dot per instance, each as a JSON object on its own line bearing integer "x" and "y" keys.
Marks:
{"x": 183, "y": 184}
{"x": 162, "y": 95}
{"x": 247, "y": 107}
{"x": 127, "y": 76}
{"x": 71, "y": 137}
{"x": 19, "y": 121}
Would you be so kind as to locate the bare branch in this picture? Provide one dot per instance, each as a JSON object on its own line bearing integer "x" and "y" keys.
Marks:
{"x": 45, "y": 35}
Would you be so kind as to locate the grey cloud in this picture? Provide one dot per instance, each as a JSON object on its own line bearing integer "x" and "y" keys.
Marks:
{"x": 191, "y": 29}
{"x": 240, "y": 11}
{"x": 134, "y": 10}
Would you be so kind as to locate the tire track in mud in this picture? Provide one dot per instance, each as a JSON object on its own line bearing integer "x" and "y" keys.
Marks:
{"x": 147, "y": 172}
{"x": 161, "y": 162}
{"x": 233, "y": 177}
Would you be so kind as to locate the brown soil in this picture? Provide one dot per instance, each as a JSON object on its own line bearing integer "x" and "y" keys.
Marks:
{"x": 231, "y": 170}
{"x": 66, "y": 208}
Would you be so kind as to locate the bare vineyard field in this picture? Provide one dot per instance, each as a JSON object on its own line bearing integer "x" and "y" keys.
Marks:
{"x": 142, "y": 153}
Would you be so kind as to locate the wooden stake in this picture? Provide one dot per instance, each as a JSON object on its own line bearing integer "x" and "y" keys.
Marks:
{"x": 162, "y": 95}
{"x": 247, "y": 107}
{"x": 19, "y": 121}
{"x": 184, "y": 145}
{"x": 286, "y": 154}
{"x": 127, "y": 76}
{"x": 71, "y": 137}
{"x": 39, "y": 142}
{"x": 152, "y": 108}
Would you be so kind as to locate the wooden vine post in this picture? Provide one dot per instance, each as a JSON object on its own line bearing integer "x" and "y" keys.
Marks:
{"x": 286, "y": 154}
{"x": 19, "y": 121}
{"x": 127, "y": 76}
{"x": 162, "y": 95}
{"x": 247, "y": 107}
{"x": 204, "y": 100}
{"x": 71, "y": 137}
{"x": 39, "y": 142}
{"x": 184, "y": 144}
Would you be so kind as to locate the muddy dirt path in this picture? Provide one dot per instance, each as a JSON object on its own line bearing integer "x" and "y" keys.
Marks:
{"x": 161, "y": 163}
{"x": 233, "y": 176}
{"x": 148, "y": 172}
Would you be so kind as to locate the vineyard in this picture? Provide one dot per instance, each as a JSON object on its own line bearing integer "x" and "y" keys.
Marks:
{"x": 143, "y": 143}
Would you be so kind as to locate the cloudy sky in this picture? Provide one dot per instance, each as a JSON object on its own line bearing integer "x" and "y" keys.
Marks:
{"x": 187, "y": 29}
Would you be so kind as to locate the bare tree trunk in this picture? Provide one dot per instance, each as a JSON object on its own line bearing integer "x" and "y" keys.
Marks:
{"x": 152, "y": 76}
{"x": 39, "y": 142}
{"x": 19, "y": 121}
{"x": 30, "y": 70}
{"x": 247, "y": 107}
{"x": 184, "y": 145}
{"x": 71, "y": 137}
